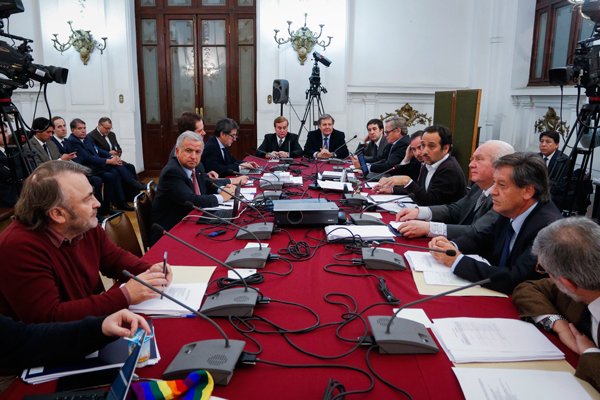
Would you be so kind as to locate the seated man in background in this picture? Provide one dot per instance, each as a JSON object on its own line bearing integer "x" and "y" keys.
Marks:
{"x": 217, "y": 156}
{"x": 470, "y": 215}
{"x": 191, "y": 121}
{"x": 568, "y": 301}
{"x": 557, "y": 164}
{"x": 43, "y": 147}
{"x": 281, "y": 143}
{"x": 59, "y": 138}
{"x": 326, "y": 142}
{"x": 396, "y": 131}
{"x": 54, "y": 251}
{"x": 413, "y": 159}
{"x": 374, "y": 143}
{"x": 34, "y": 345}
{"x": 182, "y": 180}
{"x": 441, "y": 180}
{"x": 522, "y": 198}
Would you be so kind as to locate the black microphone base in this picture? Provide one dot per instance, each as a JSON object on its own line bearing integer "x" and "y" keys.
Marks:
{"x": 286, "y": 160}
{"x": 382, "y": 259}
{"x": 353, "y": 199}
{"x": 335, "y": 161}
{"x": 405, "y": 336}
{"x": 235, "y": 302}
{"x": 363, "y": 219}
{"x": 280, "y": 167}
{"x": 260, "y": 230}
{"x": 211, "y": 355}
{"x": 252, "y": 257}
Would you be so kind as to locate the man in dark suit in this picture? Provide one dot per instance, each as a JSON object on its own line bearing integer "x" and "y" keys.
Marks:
{"x": 182, "y": 180}
{"x": 59, "y": 138}
{"x": 326, "y": 142}
{"x": 568, "y": 302}
{"x": 522, "y": 198}
{"x": 441, "y": 180}
{"x": 216, "y": 152}
{"x": 281, "y": 143}
{"x": 373, "y": 145}
{"x": 469, "y": 215}
{"x": 43, "y": 148}
{"x": 396, "y": 131}
{"x": 413, "y": 159}
{"x": 558, "y": 165}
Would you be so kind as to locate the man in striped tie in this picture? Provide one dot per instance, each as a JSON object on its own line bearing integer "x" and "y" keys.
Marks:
{"x": 568, "y": 301}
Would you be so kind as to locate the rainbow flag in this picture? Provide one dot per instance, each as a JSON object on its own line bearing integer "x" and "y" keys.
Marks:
{"x": 198, "y": 385}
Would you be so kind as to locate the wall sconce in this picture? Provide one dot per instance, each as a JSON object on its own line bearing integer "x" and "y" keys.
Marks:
{"x": 303, "y": 40}
{"x": 82, "y": 41}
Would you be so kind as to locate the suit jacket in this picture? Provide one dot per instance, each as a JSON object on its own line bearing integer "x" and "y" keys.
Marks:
{"x": 412, "y": 169}
{"x": 488, "y": 244}
{"x": 393, "y": 155}
{"x": 535, "y": 298}
{"x": 447, "y": 184}
{"x": 212, "y": 159}
{"x": 463, "y": 216}
{"x": 101, "y": 143}
{"x": 40, "y": 154}
{"x": 271, "y": 143}
{"x": 175, "y": 189}
{"x": 8, "y": 190}
{"x": 337, "y": 143}
{"x": 63, "y": 147}
{"x": 87, "y": 154}
{"x": 373, "y": 152}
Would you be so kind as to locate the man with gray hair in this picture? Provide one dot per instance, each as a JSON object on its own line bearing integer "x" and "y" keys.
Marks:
{"x": 522, "y": 198}
{"x": 470, "y": 215}
{"x": 182, "y": 181}
{"x": 568, "y": 301}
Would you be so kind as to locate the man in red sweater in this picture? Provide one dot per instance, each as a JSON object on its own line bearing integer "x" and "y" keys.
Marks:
{"x": 53, "y": 251}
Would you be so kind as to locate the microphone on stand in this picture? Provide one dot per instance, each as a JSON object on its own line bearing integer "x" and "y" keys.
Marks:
{"x": 337, "y": 160}
{"x": 376, "y": 258}
{"x": 359, "y": 199}
{"x": 233, "y": 301}
{"x": 275, "y": 185}
{"x": 250, "y": 257}
{"x": 409, "y": 337}
{"x": 362, "y": 219}
{"x": 256, "y": 230}
{"x": 199, "y": 355}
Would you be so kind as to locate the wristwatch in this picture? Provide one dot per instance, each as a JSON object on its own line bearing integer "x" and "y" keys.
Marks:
{"x": 549, "y": 321}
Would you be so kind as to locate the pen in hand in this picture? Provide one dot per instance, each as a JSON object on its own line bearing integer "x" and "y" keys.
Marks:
{"x": 164, "y": 269}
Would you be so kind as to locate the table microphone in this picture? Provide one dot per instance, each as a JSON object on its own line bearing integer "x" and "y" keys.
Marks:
{"x": 362, "y": 219}
{"x": 376, "y": 258}
{"x": 200, "y": 355}
{"x": 250, "y": 257}
{"x": 275, "y": 185}
{"x": 237, "y": 302}
{"x": 410, "y": 337}
{"x": 359, "y": 199}
{"x": 256, "y": 230}
{"x": 337, "y": 160}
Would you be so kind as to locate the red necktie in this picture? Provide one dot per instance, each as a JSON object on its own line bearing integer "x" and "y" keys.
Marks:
{"x": 195, "y": 183}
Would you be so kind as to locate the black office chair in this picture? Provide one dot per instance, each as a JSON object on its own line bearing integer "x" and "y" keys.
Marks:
{"x": 151, "y": 189}
{"x": 143, "y": 211}
{"x": 119, "y": 229}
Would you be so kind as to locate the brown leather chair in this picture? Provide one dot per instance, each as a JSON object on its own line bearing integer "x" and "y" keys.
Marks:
{"x": 143, "y": 211}
{"x": 119, "y": 229}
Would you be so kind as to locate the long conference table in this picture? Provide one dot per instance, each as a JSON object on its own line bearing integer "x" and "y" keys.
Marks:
{"x": 423, "y": 376}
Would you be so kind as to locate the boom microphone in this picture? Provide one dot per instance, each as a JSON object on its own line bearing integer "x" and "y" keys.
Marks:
{"x": 203, "y": 351}
{"x": 409, "y": 337}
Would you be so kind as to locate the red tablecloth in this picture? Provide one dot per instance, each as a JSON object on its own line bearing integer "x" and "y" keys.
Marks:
{"x": 423, "y": 376}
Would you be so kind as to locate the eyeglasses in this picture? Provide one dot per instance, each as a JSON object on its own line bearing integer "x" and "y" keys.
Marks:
{"x": 234, "y": 137}
{"x": 540, "y": 270}
{"x": 388, "y": 132}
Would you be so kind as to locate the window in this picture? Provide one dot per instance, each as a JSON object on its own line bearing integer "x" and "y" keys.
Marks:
{"x": 558, "y": 27}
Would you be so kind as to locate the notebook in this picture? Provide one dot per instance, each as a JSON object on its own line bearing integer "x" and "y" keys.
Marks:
{"x": 117, "y": 391}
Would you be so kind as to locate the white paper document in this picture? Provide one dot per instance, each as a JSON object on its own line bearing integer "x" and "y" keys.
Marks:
{"x": 521, "y": 384}
{"x": 333, "y": 185}
{"x": 365, "y": 232}
{"x": 187, "y": 293}
{"x": 434, "y": 272}
{"x": 493, "y": 340}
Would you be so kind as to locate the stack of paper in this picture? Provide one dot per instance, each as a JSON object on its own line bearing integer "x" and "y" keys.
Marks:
{"x": 333, "y": 185}
{"x": 516, "y": 384}
{"x": 364, "y": 232}
{"x": 493, "y": 340}
{"x": 434, "y": 272}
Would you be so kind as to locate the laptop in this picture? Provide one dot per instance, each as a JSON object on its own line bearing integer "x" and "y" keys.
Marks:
{"x": 117, "y": 391}
{"x": 365, "y": 170}
{"x": 222, "y": 213}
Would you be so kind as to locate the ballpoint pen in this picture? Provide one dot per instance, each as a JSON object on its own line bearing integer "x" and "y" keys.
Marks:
{"x": 164, "y": 268}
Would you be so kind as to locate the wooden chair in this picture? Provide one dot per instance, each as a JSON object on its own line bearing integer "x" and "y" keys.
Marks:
{"x": 143, "y": 211}
{"x": 119, "y": 229}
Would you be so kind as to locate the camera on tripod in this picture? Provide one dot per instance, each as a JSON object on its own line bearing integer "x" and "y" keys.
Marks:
{"x": 585, "y": 71}
{"x": 315, "y": 76}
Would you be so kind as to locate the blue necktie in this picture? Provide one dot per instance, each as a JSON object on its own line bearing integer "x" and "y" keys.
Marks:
{"x": 508, "y": 234}
{"x": 326, "y": 142}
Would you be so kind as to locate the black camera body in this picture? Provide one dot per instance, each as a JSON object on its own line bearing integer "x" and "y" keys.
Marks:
{"x": 585, "y": 71}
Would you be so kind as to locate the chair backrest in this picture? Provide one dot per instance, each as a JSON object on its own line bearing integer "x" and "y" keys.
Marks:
{"x": 119, "y": 229}
{"x": 151, "y": 189}
{"x": 143, "y": 210}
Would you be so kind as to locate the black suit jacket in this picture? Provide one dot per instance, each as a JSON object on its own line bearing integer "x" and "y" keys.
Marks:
{"x": 87, "y": 155}
{"x": 212, "y": 159}
{"x": 372, "y": 151}
{"x": 412, "y": 169}
{"x": 63, "y": 147}
{"x": 447, "y": 185}
{"x": 271, "y": 143}
{"x": 393, "y": 155}
{"x": 463, "y": 216}
{"x": 175, "y": 189}
{"x": 314, "y": 143}
{"x": 101, "y": 143}
{"x": 488, "y": 244}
